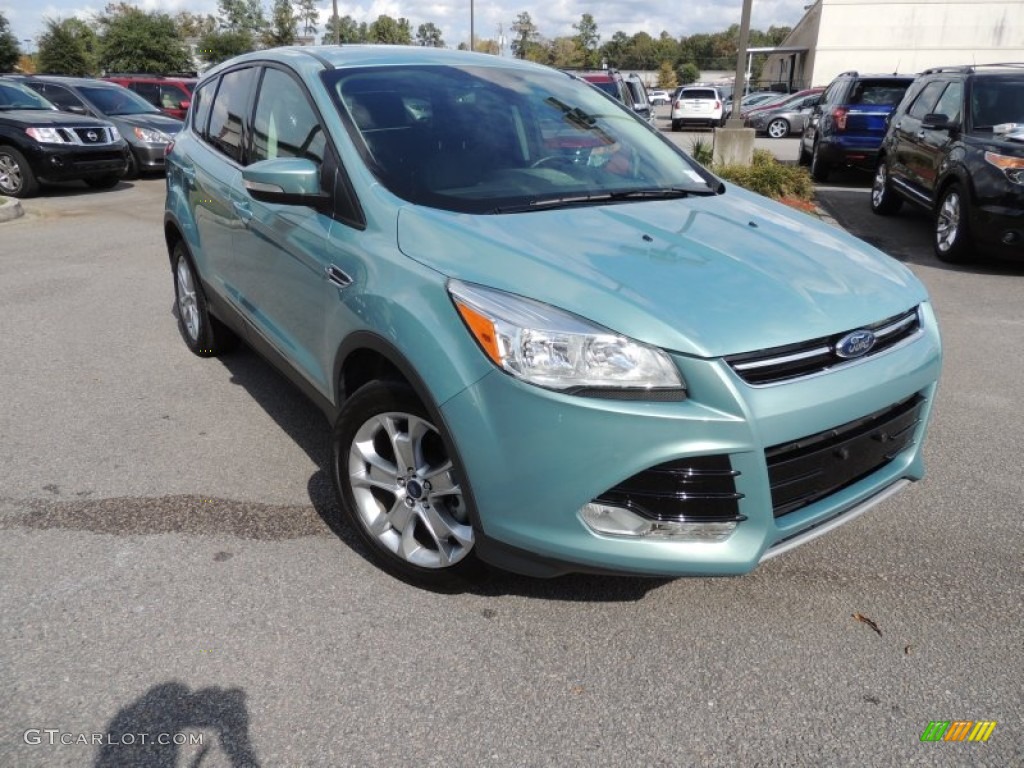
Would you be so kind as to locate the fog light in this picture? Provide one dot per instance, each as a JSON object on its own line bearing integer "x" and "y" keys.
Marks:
{"x": 619, "y": 521}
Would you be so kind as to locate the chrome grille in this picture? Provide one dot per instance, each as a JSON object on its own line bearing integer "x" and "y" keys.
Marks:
{"x": 793, "y": 361}
{"x": 90, "y": 136}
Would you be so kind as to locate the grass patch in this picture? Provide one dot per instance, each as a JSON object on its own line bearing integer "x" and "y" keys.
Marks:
{"x": 765, "y": 175}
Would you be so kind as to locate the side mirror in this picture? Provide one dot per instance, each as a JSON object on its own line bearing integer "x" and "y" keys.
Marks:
{"x": 78, "y": 109}
{"x": 286, "y": 181}
{"x": 184, "y": 105}
{"x": 936, "y": 121}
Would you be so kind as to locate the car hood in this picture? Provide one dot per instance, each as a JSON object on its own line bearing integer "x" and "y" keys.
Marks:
{"x": 1001, "y": 143}
{"x": 704, "y": 276}
{"x": 155, "y": 121}
{"x": 51, "y": 117}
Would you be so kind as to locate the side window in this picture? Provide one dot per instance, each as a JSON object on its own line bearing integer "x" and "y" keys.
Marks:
{"x": 201, "y": 102}
{"x": 926, "y": 99}
{"x": 228, "y": 118}
{"x": 60, "y": 96}
{"x": 149, "y": 91}
{"x": 285, "y": 124}
{"x": 951, "y": 102}
{"x": 171, "y": 97}
{"x": 831, "y": 95}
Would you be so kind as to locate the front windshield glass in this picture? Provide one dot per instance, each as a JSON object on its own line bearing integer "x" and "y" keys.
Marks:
{"x": 115, "y": 100}
{"x": 996, "y": 102}
{"x": 14, "y": 96}
{"x": 491, "y": 139}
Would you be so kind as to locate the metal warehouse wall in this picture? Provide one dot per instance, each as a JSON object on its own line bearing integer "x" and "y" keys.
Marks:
{"x": 890, "y": 36}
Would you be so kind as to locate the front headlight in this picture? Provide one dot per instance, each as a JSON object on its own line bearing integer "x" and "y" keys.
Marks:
{"x": 150, "y": 136}
{"x": 1012, "y": 166}
{"x": 46, "y": 135}
{"x": 551, "y": 348}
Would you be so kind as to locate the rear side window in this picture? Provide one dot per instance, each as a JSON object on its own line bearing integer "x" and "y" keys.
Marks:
{"x": 951, "y": 102}
{"x": 201, "y": 102}
{"x": 227, "y": 116}
{"x": 285, "y": 124}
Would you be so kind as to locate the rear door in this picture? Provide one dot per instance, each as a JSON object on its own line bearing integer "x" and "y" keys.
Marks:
{"x": 908, "y": 138}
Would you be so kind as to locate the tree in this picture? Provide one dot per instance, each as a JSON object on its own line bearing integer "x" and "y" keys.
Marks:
{"x": 242, "y": 16}
{"x": 132, "y": 40}
{"x": 283, "y": 24}
{"x": 308, "y": 15}
{"x": 587, "y": 39}
{"x": 9, "y": 50}
{"x": 389, "y": 31}
{"x": 348, "y": 31}
{"x": 429, "y": 35}
{"x": 688, "y": 73}
{"x": 566, "y": 53}
{"x": 525, "y": 35}
{"x": 217, "y": 46}
{"x": 192, "y": 25}
{"x": 666, "y": 76}
{"x": 67, "y": 48}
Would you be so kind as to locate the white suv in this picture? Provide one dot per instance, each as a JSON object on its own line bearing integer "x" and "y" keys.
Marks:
{"x": 697, "y": 104}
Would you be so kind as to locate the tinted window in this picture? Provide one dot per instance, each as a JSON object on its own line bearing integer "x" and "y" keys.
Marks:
{"x": 14, "y": 96}
{"x": 115, "y": 100}
{"x": 149, "y": 91}
{"x": 171, "y": 96}
{"x": 285, "y": 124}
{"x": 878, "y": 92}
{"x": 201, "y": 102}
{"x": 926, "y": 99}
{"x": 994, "y": 102}
{"x": 698, "y": 93}
{"x": 59, "y": 95}
{"x": 227, "y": 118}
{"x": 951, "y": 102}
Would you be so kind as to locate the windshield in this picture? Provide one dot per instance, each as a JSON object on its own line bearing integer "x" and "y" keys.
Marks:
{"x": 14, "y": 96}
{"x": 115, "y": 100}
{"x": 995, "y": 102}
{"x": 487, "y": 139}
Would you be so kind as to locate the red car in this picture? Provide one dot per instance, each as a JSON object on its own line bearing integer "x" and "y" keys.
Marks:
{"x": 172, "y": 95}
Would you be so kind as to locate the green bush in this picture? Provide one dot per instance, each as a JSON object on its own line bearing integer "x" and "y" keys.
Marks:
{"x": 765, "y": 175}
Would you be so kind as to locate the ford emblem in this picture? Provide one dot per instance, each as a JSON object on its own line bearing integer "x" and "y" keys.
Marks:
{"x": 855, "y": 344}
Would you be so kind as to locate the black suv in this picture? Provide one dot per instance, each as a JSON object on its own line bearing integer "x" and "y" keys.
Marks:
{"x": 955, "y": 146}
{"x": 38, "y": 143}
{"x": 847, "y": 126}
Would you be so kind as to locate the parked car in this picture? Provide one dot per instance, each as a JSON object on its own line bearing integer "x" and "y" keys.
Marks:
{"x": 660, "y": 97}
{"x": 697, "y": 105}
{"x": 40, "y": 144}
{"x": 955, "y": 146}
{"x": 170, "y": 94}
{"x": 143, "y": 126}
{"x": 629, "y": 90}
{"x": 639, "y": 101}
{"x": 751, "y": 100}
{"x": 847, "y": 126}
{"x": 780, "y": 119}
{"x": 522, "y": 362}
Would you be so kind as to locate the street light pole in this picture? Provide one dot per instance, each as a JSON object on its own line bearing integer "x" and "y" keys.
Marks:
{"x": 735, "y": 121}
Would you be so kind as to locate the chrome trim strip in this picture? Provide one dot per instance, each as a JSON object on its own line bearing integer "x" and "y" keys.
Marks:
{"x": 784, "y": 359}
{"x": 843, "y": 517}
{"x": 893, "y": 327}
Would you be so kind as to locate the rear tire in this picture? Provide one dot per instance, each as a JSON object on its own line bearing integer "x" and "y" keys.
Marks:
{"x": 883, "y": 199}
{"x": 819, "y": 168}
{"x": 777, "y": 129}
{"x": 204, "y": 335}
{"x": 398, "y": 485}
{"x": 16, "y": 176}
{"x": 952, "y": 227}
{"x": 804, "y": 158}
{"x": 675, "y": 126}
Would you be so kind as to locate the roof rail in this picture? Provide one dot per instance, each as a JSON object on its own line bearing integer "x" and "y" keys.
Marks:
{"x": 967, "y": 68}
{"x": 852, "y": 73}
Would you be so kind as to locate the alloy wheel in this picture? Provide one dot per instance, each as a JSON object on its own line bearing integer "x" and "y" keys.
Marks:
{"x": 879, "y": 185}
{"x": 10, "y": 175}
{"x": 947, "y": 223}
{"x": 406, "y": 493}
{"x": 187, "y": 306}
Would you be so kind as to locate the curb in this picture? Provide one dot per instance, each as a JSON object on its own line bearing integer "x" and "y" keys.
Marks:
{"x": 10, "y": 208}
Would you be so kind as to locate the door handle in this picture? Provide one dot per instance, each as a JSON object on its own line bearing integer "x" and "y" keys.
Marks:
{"x": 338, "y": 277}
{"x": 919, "y": 135}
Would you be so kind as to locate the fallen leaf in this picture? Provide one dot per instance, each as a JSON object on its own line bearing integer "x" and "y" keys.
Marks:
{"x": 864, "y": 619}
{"x": 906, "y": 650}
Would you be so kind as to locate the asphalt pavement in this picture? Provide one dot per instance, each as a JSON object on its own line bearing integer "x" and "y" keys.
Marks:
{"x": 171, "y": 563}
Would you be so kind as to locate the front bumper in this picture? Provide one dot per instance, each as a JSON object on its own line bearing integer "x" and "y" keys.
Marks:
{"x": 534, "y": 458}
{"x": 59, "y": 162}
{"x": 150, "y": 156}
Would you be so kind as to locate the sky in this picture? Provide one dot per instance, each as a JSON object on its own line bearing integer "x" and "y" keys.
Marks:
{"x": 553, "y": 18}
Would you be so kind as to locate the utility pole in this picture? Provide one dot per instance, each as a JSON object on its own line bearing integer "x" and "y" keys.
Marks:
{"x": 472, "y": 36}
{"x": 337, "y": 22}
{"x": 739, "y": 87}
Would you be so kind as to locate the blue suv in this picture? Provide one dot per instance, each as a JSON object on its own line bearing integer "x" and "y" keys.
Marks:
{"x": 545, "y": 339}
{"x": 847, "y": 126}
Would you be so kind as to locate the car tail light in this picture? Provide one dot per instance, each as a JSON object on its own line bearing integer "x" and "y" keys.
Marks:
{"x": 839, "y": 118}
{"x": 718, "y": 105}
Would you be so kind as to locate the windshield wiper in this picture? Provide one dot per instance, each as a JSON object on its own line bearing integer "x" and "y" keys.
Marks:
{"x": 662, "y": 193}
{"x": 568, "y": 201}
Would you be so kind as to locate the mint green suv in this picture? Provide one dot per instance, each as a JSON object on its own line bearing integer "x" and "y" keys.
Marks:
{"x": 545, "y": 339}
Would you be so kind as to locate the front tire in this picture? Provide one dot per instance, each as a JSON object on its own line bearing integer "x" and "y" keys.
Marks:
{"x": 883, "y": 199}
{"x": 16, "y": 176}
{"x": 132, "y": 171}
{"x": 778, "y": 129}
{"x": 397, "y": 483}
{"x": 204, "y": 335}
{"x": 952, "y": 227}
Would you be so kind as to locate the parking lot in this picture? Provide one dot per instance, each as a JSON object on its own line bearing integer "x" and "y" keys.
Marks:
{"x": 172, "y": 562}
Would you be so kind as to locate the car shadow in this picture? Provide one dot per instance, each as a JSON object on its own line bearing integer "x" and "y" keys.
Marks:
{"x": 183, "y": 719}
{"x": 304, "y": 423}
{"x": 79, "y": 189}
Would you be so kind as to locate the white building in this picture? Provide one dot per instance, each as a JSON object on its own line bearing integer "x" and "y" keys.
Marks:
{"x": 895, "y": 36}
